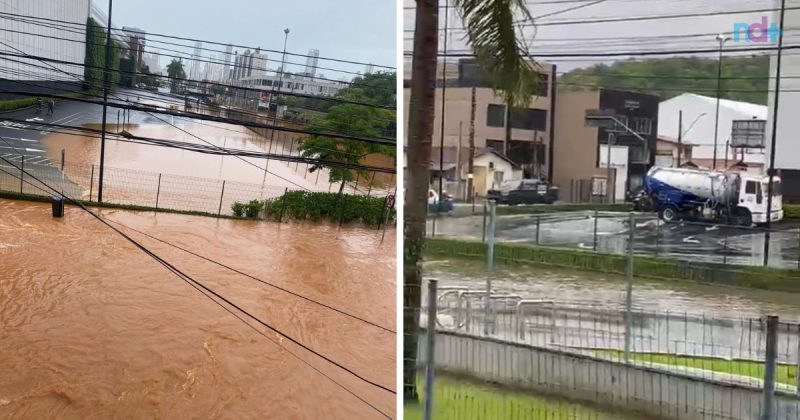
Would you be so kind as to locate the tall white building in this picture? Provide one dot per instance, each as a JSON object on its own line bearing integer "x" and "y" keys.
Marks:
{"x": 249, "y": 64}
{"x": 196, "y": 67}
{"x": 227, "y": 68}
{"x": 311, "y": 62}
{"x": 37, "y": 38}
{"x": 787, "y": 145}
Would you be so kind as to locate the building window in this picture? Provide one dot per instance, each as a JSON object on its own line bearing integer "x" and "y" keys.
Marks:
{"x": 529, "y": 119}
{"x": 642, "y": 125}
{"x": 496, "y": 115}
{"x": 496, "y": 145}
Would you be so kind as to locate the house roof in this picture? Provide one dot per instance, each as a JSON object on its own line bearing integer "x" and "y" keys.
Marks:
{"x": 450, "y": 155}
{"x": 668, "y": 139}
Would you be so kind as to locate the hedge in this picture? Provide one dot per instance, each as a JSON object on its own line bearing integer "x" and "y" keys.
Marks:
{"x": 791, "y": 211}
{"x": 305, "y": 205}
{"x": 644, "y": 266}
{"x": 555, "y": 208}
{"x": 12, "y": 104}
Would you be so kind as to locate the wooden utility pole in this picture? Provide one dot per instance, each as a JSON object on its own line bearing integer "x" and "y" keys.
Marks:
{"x": 471, "y": 164}
{"x": 680, "y": 137}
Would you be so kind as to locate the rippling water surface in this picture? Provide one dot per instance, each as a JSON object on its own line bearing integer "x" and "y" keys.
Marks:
{"x": 91, "y": 327}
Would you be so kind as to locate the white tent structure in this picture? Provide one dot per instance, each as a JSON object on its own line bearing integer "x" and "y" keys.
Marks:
{"x": 698, "y": 125}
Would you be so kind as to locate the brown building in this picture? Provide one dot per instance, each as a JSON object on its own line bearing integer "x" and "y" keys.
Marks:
{"x": 581, "y": 152}
{"x": 530, "y": 126}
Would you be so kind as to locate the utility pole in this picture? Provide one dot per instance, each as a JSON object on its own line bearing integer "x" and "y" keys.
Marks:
{"x": 444, "y": 93}
{"x": 458, "y": 156}
{"x": 721, "y": 38}
{"x": 105, "y": 106}
{"x": 471, "y": 164}
{"x": 272, "y": 98}
{"x": 609, "y": 190}
{"x": 771, "y": 171}
{"x": 680, "y": 137}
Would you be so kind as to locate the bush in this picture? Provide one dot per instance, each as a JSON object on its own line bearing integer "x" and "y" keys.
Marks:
{"x": 315, "y": 206}
{"x": 253, "y": 208}
{"x": 791, "y": 211}
{"x": 238, "y": 209}
{"x": 12, "y": 104}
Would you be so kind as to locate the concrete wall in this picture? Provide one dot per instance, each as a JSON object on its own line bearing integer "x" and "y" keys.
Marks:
{"x": 609, "y": 384}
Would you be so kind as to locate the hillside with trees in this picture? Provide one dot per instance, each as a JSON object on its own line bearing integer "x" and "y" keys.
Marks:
{"x": 743, "y": 78}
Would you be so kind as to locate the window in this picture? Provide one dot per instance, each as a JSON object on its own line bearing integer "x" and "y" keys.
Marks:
{"x": 750, "y": 187}
{"x": 642, "y": 125}
{"x": 491, "y": 165}
{"x": 496, "y": 115}
{"x": 496, "y": 145}
{"x": 529, "y": 119}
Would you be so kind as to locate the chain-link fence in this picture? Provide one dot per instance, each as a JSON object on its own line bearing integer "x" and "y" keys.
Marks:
{"x": 141, "y": 188}
{"x": 504, "y": 355}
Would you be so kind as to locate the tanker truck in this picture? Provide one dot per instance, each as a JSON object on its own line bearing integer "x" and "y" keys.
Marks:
{"x": 721, "y": 197}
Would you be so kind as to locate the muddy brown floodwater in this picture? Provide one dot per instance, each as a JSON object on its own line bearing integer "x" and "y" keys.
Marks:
{"x": 84, "y": 151}
{"x": 91, "y": 327}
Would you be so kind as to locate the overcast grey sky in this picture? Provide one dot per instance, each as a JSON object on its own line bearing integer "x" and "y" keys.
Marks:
{"x": 557, "y": 35}
{"x": 357, "y": 30}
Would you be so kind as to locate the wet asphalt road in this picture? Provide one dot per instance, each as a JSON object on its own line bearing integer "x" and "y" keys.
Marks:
{"x": 699, "y": 242}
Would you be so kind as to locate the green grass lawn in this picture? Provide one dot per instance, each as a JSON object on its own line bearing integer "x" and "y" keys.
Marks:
{"x": 457, "y": 400}
{"x": 786, "y": 374}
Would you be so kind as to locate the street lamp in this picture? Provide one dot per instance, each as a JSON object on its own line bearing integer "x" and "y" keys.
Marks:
{"x": 721, "y": 39}
{"x": 272, "y": 98}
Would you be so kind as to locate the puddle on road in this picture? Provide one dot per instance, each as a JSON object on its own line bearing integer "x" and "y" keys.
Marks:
{"x": 90, "y": 326}
{"x": 83, "y": 151}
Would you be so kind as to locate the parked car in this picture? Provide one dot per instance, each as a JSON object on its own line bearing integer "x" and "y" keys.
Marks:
{"x": 433, "y": 201}
{"x": 524, "y": 191}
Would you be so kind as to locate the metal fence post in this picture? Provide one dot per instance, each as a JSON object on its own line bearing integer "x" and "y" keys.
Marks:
{"x": 489, "y": 266}
{"x": 770, "y": 357}
{"x": 594, "y": 236}
{"x": 21, "y": 173}
{"x": 429, "y": 350}
{"x": 725, "y": 249}
{"x": 158, "y": 191}
{"x": 222, "y": 194}
{"x": 658, "y": 233}
{"x": 538, "y": 225}
{"x": 483, "y": 231}
{"x": 283, "y": 204}
{"x": 629, "y": 289}
{"x": 91, "y": 183}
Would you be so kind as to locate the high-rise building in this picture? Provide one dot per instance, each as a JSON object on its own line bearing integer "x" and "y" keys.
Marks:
{"x": 226, "y": 70}
{"x": 250, "y": 64}
{"x": 311, "y": 62}
{"x": 369, "y": 69}
{"x": 194, "y": 73}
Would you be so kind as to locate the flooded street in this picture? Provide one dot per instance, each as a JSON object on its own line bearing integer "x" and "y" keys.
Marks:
{"x": 607, "y": 290}
{"x": 91, "y": 327}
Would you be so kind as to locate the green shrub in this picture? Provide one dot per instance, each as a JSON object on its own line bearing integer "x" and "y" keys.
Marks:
{"x": 253, "y": 208}
{"x": 791, "y": 211}
{"x": 315, "y": 206}
{"x": 238, "y": 209}
{"x": 12, "y": 104}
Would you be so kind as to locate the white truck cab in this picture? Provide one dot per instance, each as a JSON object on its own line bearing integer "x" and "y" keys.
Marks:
{"x": 753, "y": 195}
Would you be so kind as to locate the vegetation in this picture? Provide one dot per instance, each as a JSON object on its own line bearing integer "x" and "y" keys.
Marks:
{"x": 355, "y": 120}
{"x": 96, "y": 56}
{"x": 176, "y": 73}
{"x": 466, "y": 400}
{"x": 315, "y": 206}
{"x": 555, "y": 208}
{"x": 785, "y": 373}
{"x": 502, "y": 55}
{"x": 791, "y": 211}
{"x": 743, "y": 78}
{"x": 11, "y": 104}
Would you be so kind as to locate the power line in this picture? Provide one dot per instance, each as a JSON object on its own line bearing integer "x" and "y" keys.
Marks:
{"x": 152, "y": 34}
{"x": 197, "y": 283}
{"x": 260, "y": 280}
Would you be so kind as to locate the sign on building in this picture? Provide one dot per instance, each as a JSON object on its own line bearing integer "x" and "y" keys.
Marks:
{"x": 748, "y": 133}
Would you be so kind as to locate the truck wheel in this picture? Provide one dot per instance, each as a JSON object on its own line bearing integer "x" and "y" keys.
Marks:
{"x": 744, "y": 218}
{"x": 668, "y": 214}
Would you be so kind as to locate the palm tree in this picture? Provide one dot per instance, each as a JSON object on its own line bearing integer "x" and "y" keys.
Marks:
{"x": 175, "y": 71}
{"x": 502, "y": 54}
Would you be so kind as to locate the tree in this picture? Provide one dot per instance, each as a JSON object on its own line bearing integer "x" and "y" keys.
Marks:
{"x": 502, "y": 54}
{"x": 176, "y": 73}
{"x": 368, "y": 120}
{"x": 95, "y": 58}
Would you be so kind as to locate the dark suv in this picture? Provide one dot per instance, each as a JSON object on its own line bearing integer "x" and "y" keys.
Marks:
{"x": 524, "y": 191}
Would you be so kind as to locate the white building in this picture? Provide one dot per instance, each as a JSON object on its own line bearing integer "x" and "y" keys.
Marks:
{"x": 787, "y": 144}
{"x": 249, "y": 65}
{"x": 698, "y": 127}
{"x": 226, "y": 70}
{"x": 196, "y": 67}
{"x": 311, "y": 63}
{"x": 39, "y": 38}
